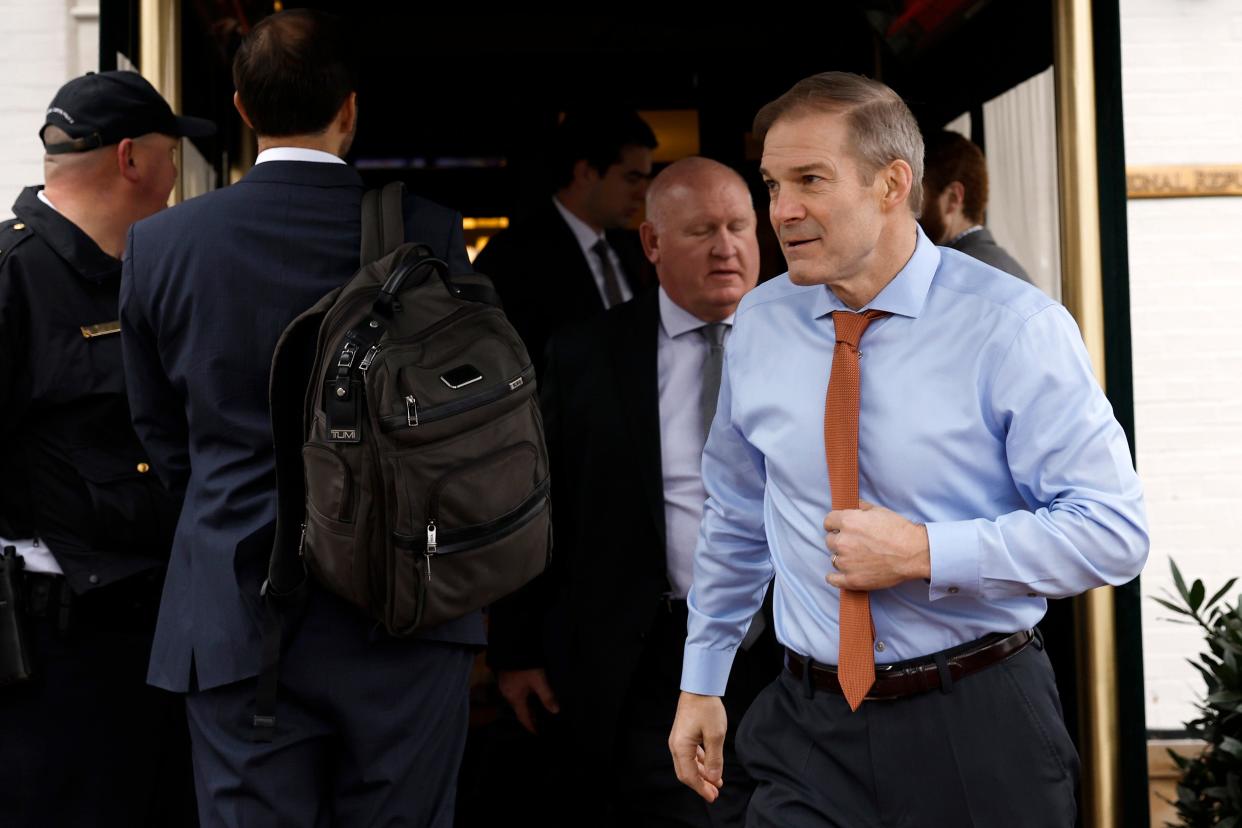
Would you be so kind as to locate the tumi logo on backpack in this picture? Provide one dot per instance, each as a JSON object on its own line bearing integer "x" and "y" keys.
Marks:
{"x": 423, "y": 479}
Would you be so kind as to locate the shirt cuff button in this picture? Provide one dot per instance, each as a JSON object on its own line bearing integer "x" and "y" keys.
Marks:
{"x": 954, "y": 590}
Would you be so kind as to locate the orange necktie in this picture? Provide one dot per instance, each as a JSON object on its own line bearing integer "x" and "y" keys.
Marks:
{"x": 855, "y": 660}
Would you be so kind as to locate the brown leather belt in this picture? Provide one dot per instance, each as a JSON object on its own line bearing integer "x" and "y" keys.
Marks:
{"x": 919, "y": 675}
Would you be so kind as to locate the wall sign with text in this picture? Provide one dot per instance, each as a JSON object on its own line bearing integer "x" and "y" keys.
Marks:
{"x": 1184, "y": 181}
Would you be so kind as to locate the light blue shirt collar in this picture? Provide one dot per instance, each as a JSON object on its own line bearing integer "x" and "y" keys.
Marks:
{"x": 904, "y": 295}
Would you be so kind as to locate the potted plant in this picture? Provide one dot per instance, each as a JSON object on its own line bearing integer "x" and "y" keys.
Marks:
{"x": 1210, "y": 790}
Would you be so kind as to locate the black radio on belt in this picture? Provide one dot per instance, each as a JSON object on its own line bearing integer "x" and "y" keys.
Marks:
{"x": 14, "y": 655}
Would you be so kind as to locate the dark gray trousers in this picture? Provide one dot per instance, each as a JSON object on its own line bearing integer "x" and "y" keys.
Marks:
{"x": 646, "y": 791}
{"x": 370, "y": 732}
{"x": 992, "y": 752}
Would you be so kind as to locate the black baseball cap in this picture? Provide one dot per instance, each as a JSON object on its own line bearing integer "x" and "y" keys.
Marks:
{"x": 104, "y": 108}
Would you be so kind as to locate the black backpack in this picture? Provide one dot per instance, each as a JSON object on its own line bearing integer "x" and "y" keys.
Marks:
{"x": 409, "y": 445}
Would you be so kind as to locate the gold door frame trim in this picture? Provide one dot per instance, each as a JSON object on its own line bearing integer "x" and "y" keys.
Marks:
{"x": 1082, "y": 292}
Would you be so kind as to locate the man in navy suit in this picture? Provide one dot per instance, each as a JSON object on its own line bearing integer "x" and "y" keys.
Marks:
{"x": 370, "y": 729}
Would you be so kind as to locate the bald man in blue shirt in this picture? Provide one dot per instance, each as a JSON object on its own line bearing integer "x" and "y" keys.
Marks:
{"x": 992, "y": 476}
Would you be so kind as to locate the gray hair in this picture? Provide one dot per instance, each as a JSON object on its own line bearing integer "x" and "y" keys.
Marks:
{"x": 882, "y": 127}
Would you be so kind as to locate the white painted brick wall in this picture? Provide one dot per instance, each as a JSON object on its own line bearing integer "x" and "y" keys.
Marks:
{"x": 1182, "y": 89}
{"x": 39, "y": 51}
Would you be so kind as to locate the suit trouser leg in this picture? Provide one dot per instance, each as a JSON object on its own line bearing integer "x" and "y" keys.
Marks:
{"x": 403, "y": 771}
{"x": 648, "y": 791}
{"x": 993, "y": 751}
{"x": 241, "y": 782}
{"x": 370, "y": 732}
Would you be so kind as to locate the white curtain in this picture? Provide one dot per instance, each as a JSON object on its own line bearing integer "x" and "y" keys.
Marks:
{"x": 197, "y": 174}
{"x": 1019, "y": 128}
{"x": 960, "y": 125}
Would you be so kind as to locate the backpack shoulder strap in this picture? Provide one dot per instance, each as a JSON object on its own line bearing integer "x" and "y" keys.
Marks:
{"x": 383, "y": 222}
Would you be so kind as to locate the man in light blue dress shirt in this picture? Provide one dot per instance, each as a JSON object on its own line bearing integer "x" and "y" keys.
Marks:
{"x": 992, "y": 476}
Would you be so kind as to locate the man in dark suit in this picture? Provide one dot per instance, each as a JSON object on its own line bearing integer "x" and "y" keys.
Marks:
{"x": 627, "y": 401}
{"x": 955, "y": 199}
{"x": 369, "y": 729}
{"x": 571, "y": 256}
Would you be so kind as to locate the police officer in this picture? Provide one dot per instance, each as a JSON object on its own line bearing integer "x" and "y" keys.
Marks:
{"x": 85, "y": 740}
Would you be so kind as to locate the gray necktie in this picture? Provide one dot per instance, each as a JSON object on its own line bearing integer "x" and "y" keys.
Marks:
{"x": 712, "y": 365}
{"x": 612, "y": 286}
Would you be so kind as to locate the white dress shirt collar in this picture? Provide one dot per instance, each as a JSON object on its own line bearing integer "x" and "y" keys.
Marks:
{"x": 972, "y": 229}
{"x": 586, "y": 236}
{"x": 587, "y": 239}
{"x": 296, "y": 154}
{"x": 677, "y": 320}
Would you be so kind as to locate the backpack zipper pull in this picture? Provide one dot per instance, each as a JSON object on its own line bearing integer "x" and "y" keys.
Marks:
{"x": 368, "y": 358}
{"x": 411, "y": 410}
{"x": 302, "y": 540}
{"x": 431, "y": 545}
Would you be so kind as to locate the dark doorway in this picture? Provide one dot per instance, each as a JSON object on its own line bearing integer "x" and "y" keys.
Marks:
{"x": 459, "y": 106}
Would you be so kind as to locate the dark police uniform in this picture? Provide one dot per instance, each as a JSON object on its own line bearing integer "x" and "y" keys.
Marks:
{"x": 86, "y": 741}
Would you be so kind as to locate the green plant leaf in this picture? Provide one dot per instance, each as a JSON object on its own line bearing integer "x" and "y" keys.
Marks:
{"x": 1196, "y": 595}
{"x": 1232, "y": 746}
{"x": 1170, "y": 605}
{"x": 1220, "y": 593}
{"x": 1224, "y": 698}
{"x": 1179, "y": 581}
